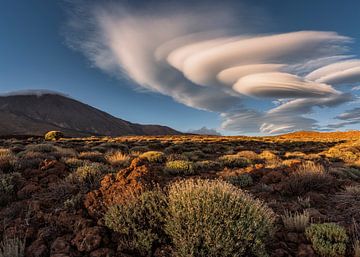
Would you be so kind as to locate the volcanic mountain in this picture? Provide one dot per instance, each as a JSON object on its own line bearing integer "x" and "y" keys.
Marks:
{"x": 35, "y": 113}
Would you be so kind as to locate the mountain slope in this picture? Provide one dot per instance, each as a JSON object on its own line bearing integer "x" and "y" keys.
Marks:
{"x": 35, "y": 114}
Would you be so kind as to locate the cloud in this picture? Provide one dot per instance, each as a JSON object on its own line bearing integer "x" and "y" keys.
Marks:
{"x": 345, "y": 72}
{"x": 204, "y": 63}
{"x": 205, "y": 131}
{"x": 281, "y": 85}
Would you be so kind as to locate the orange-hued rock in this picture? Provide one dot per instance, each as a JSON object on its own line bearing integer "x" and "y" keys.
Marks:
{"x": 117, "y": 188}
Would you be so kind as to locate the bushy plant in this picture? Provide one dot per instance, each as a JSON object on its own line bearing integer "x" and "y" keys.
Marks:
{"x": 214, "y": 218}
{"x": 139, "y": 222}
{"x": 179, "y": 167}
{"x": 118, "y": 158}
{"x": 296, "y": 221}
{"x": 242, "y": 180}
{"x": 234, "y": 161}
{"x": 12, "y": 247}
{"x": 309, "y": 177}
{"x": 89, "y": 174}
{"x": 7, "y": 160}
{"x": 207, "y": 166}
{"x": 328, "y": 239}
{"x": 53, "y": 135}
{"x": 93, "y": 156}
{"x": 153, "y": 156}
{"x": 7, "y": 187}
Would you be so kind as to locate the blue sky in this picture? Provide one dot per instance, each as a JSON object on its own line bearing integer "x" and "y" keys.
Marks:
{"x": 35, "y": 54}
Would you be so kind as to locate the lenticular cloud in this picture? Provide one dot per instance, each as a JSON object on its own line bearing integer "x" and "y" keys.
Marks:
{"x": 201, "y": 63}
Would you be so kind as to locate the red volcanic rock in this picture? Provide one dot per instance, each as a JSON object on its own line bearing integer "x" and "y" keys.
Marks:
{"x": 88, "y": 239}
{"x": 117, "y": 188}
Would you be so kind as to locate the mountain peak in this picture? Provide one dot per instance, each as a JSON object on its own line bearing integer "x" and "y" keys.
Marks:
{"x": 33, "y": 92}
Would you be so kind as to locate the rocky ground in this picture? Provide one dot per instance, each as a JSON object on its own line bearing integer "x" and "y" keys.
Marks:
{"x": 53, "y": 195}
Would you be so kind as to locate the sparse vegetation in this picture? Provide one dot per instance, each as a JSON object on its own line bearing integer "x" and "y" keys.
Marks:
{"x": 182, "y": 195}
{"x": 12, "y": 247}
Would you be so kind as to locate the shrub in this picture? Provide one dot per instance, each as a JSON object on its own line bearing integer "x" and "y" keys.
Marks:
{"x": 179, "y": 167}
{"x": 14, "y": 247}
{"x": 242, "y": 180}
{"x": 328, "y": 239}
{"x": 207, "y": 166}
{"x": 73, "y": 163}
{"x": 309, "y": 177}
{"x": 53, "y": 135}
{"x": 7, "y": 160}
{"x": 153, "y": 156}
{"x": 140, "y": 222}
{"x": 92, "y": 156}
{"x": 89, "y": 174}
{"x": 41, "y": 148}
{"x": 118, "y": 159}
{"x": 234, "y": 161}
{"x": 296, "y": 221}
{"x": 214, "y": 218}
{"x": 7, "y": 187}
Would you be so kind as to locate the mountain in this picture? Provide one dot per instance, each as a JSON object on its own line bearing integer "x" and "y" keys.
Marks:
{"x": 35, "y": 113}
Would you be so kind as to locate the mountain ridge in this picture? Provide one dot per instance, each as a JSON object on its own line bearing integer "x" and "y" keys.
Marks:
{"x": 35, "y": 114}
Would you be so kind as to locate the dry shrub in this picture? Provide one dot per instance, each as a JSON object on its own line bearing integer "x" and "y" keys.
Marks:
{"x": 8, "y": 184}
{"x": 139, "y": 222}
{"x": 308, "y": 177}
{"x": 12, "y": 247}
{"x": 7, "y": 160}
{"x": 214, "y": 218}
{"x": 92, "y": 156}
{"x": 296, "y": 221}
{"x": 118, "y": 158}
{"x": 234, "y": 161}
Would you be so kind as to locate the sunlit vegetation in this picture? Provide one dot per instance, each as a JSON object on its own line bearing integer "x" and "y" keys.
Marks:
{"x": 290, "y": 195}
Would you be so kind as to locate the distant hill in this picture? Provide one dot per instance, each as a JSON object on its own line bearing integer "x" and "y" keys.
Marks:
{"x": 308, "y": 135}
{"x": 37, "y": 113}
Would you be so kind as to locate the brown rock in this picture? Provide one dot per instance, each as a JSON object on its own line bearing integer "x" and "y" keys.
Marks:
{"x": 88, "y": 239}
{"x": 60, "y": 245}
{"x": 37, "y": 249}
{"x": 28, "y": 190}
{"x": 305, "y": 250}
{"x": 102, "y": 252}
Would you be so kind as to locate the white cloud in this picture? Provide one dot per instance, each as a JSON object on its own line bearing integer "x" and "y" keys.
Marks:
{"x": 199, "y": 63}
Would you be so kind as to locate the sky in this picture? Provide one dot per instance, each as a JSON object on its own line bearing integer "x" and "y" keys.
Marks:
{"x": 240, "y": 67}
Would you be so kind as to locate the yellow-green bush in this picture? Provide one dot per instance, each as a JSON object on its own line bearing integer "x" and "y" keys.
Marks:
{"x": 179, "y": 167}
{"x": 242, "y": 180}
{"x": 153, "y": 156}
{"x": 53, "y": 135}
{"x": 328, "y": 239}
{"x": 214, "y": 218}
{"x": 7, "y": 187}
{"x": 139, "y": 222}
{"x": 234, "y": 161}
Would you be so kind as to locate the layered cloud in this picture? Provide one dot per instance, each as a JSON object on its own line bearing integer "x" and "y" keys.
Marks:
{"x": 202, "y": 63}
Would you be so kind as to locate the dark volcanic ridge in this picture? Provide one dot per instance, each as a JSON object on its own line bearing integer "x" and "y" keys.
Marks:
{"x": 36, "y": 112}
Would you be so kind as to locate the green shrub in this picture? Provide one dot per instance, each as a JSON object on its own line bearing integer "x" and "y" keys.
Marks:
{"x": 179, "y": 167}
{"x": 214, "y": 218}
{"x": 207, "y": 166}
{"x": 234, "y": 161}
{"x": 7, "y": 187}
{"x": 53, "y": 135}
{"x": 139, "y": 222}
{"x": 328, "y": 239}
{"x": 14, "y": 247}
{"x": 89, "y": 174}
{"x": 153, "y": 156}
{"x": 242, "y": 180}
